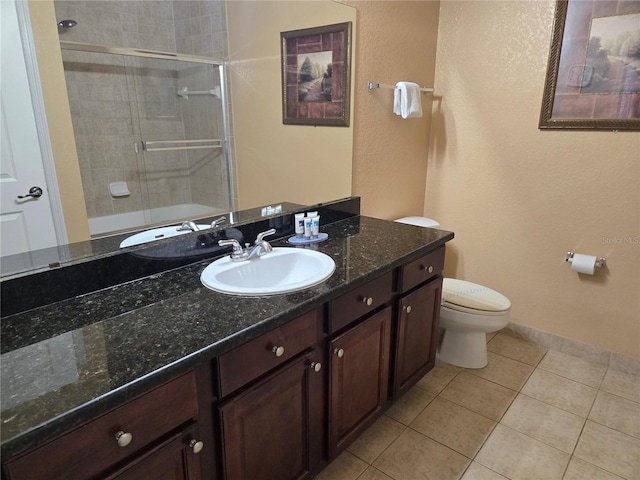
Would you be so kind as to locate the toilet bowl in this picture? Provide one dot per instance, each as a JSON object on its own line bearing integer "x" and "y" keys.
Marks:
{"x": 468, "y": 312}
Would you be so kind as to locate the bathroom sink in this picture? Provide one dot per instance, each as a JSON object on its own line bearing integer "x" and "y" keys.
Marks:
{"x": 156, "y": 234}
{"x": 284, "y": 270}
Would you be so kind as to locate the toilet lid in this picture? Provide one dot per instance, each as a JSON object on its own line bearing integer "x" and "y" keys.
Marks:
{"x": 466, "y": 296}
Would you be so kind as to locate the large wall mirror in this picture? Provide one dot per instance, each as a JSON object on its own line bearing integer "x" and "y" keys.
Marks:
{"x": 268, "y": 162}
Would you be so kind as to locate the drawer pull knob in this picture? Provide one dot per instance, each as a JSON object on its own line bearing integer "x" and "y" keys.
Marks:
{"x": 123, "y": 438}
{"x": 196, "y": 446}
{"x": 428, "y": 269}
{"x": 316, "y": 366}
{"x": 279, "y": 351}
{"x": 339, "y": 352}
{"x": 407, "y": 309}
{"x": 367, "y": 301}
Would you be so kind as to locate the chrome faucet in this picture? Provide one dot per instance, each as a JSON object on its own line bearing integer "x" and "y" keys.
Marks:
{"x": 218, "y": 221}
{"x": 259, "y": 248}
{"x": 189, "y": 225}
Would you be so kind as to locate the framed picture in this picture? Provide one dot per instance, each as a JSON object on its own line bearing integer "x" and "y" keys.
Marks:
{"x": 316, "y": 75}
{"x": 593, "y": 76}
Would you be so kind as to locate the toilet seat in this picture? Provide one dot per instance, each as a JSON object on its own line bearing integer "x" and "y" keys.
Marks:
{"x": 469, "y": 297}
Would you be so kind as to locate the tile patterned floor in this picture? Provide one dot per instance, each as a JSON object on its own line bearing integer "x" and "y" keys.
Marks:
{"x": 531, "y": 413}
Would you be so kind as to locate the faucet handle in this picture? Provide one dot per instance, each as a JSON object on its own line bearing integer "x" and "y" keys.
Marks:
{"x": 237, "y": 248}
{"x": 264, "y": 234}
{"x": 218, "y": 221}
{"x": 188, "y": 225}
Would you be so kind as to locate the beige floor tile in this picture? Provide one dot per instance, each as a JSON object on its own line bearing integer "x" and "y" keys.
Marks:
{"x": 520, "y": 457}
{"x": 416, "y": 457}
{"x": 581, "y": 470}
{"x": 504, "y": 371}
{"x": 546, "y": 423}
{"x": 373, "y": 474}
{"x": 410, "y": 405}
{"x": 479, "y": 395}
{"x": 509, "y": 346}
{"x": 573, "y": 368}
{"x": 375, "y": 439}
{"x": 438, "y": 377}
{"x": 622, "y": 384}
{"x": 610, "y": 450}
{"x": 560, "y": 392}
{"x": 345, "y": 467}
{"x": 480, "y": 472}
{"x": 456, "y": 427}
{"x": 617, "y": 413}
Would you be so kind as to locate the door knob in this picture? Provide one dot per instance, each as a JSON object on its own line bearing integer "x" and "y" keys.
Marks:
{"x": 34, "y": 192}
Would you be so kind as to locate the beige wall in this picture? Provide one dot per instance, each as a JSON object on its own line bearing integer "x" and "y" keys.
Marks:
{"x": 277, "y": 162}
{"x": 45, "y": 35}
{"x": 518, "y": 198}
{"x": 396, "y": 42}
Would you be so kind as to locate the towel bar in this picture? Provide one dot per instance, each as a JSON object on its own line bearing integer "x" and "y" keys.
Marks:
{"x": 372, "y": 85}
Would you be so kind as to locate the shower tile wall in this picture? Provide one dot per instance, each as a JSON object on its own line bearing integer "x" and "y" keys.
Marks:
{"x": 116, "y": 101}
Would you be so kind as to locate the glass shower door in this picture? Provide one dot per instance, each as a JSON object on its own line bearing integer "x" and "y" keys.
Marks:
{"x": 178, "y": 117}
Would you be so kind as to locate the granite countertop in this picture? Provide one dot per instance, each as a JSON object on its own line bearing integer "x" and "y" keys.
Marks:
{"x": 65, "y": 363}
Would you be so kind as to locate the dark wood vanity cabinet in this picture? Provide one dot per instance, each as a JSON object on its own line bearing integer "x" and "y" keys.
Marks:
{"x": 152, "y": 436}
{"x": 272, "y": 427}
{"x": 359, "y": 379}
{"x": 278, "y": 407}
{"x": 418, "y": 314}
{"x": 174, "y": 459}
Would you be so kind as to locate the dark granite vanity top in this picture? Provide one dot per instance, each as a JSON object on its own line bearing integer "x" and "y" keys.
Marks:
{"x": 67, "y": 362}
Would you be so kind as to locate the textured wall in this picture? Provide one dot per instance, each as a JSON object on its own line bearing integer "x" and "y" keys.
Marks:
{"x": 396, "y": 42}
{"x": 518, "y": 198}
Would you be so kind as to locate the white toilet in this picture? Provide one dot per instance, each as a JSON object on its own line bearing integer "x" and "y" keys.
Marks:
{"x": 468, "y": 312}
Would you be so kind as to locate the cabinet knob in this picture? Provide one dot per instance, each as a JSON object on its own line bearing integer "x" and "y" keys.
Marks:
{"x": 279, "y": 351}
{"x": 123, "y": 438}
{"x": 367, "y": 300}
{"x": 316, "y": 366}
{"x": 428, "y": 269}
{"x": 407, "y": 308}
{"x": 196, "y": 446}
{"x": 339, "y": 352}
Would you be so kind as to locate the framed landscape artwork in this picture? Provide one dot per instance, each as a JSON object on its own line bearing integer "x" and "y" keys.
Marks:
{"x": 593, "y": 76}
{"x": 316, "y": 75}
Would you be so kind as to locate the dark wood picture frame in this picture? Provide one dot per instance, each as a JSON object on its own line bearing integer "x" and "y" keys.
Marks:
{"x": 587, "y": 87}
{"x": 316, "y": 75}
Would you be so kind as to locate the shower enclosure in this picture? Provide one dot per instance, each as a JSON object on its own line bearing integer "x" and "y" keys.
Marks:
{"x": 152, "y": 135}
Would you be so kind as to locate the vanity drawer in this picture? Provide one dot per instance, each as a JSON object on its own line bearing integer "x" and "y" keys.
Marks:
{"x": 422, "y": 269}
{"x": 90, "y": 450}
{"x": 360, "y": 301}
{"x": 249, "y": 361}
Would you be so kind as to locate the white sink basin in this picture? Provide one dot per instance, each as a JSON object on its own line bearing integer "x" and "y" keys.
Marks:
{"x": 156, "y": 234}
{"x": 284, "y": 270}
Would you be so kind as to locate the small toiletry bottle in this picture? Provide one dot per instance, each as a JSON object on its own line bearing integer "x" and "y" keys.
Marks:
{"x": 312, "y": 214}
{"x": 315, "y": 228}
{"x": 308, "y": 225}
{"x": 299, "y": 219}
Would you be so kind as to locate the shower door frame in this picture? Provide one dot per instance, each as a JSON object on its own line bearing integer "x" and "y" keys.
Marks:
{"x": 180, "y": 57}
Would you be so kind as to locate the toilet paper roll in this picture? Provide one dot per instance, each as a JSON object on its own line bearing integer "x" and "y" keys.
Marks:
{"x": 583, "y": 263}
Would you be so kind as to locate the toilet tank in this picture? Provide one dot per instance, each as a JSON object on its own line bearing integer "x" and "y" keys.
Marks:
{"x": 419, "y": 222}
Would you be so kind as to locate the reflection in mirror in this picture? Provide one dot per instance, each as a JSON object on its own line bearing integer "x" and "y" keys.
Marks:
{"x": 267, "y": 161}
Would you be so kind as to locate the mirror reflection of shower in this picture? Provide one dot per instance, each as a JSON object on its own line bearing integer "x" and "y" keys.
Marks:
{"x": 151, "y": 128}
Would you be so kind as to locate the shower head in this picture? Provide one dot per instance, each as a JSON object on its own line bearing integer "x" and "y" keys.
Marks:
{"x": 65, "y": 24}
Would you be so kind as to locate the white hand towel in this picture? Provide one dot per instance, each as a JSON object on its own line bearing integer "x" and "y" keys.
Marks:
{"x": 406, "y": 100}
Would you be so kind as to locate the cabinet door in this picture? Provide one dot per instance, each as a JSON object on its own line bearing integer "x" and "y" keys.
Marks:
{"x": 359, "y": 379}
{"x": 174, "y": 459}
{"x": 418, "y": 314}
{"x": 270, "y": 431}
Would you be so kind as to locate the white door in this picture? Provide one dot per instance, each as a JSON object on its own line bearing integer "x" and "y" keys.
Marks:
{"x": 25, "y": 223}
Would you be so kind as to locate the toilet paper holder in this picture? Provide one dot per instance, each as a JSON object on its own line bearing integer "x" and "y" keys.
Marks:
{"x": 600, "y": 262}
